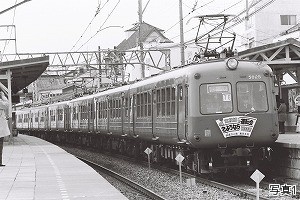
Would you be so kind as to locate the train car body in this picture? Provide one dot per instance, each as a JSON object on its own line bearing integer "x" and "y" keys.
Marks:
{"x": 211, "y": 110}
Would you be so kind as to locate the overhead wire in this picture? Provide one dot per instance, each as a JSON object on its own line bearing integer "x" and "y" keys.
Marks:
{"x": 90, "y": 23}
{"x": 100, "y": 29}
{"x": 241, "y": 20}
{"x": 236, "y": 18}
{"x": 193, "y": 10}
{"x": 197, "y": 25}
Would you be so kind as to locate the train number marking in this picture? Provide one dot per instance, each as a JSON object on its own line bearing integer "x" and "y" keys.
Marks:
{"x": 254, "y": 77}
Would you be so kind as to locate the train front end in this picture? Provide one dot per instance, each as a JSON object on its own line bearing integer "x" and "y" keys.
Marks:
{"x": 233, "y": 114}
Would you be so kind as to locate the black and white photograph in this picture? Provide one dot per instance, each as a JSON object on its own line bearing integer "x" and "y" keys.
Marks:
{"x": 149, "y": 100}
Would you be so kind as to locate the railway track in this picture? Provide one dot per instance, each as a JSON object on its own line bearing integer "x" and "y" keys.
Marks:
{"x": 141, "y": 189}
{"x": 234, "y": 190}
{"x": 240, "y": 193}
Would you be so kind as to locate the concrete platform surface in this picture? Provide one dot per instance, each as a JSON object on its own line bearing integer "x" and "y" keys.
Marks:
{"x": 38, "y": 170}
{"x": 289, "y": 140}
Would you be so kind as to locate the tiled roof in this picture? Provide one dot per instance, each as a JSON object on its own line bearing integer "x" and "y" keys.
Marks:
{"x": 146, "y": 30}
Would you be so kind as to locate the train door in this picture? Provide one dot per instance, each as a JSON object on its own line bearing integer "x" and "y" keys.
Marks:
{"x": 109, "y": 103}
{"x": 122, "y": 113}
{"x": 182, "y": 100}
{"x": 30, "y": 126}
{"x": 153, "y": 112}
{"x": 46, "y": 119}
{"x": 67, "y": 120}
{"x": 126, "y": 115}
{"x": 132, "y": 115}
{"x": 97, "y": 108}
{"x": 91, "y": 115}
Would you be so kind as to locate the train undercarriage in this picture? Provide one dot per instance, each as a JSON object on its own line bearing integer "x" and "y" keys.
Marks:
{"x": 196, "y": 161}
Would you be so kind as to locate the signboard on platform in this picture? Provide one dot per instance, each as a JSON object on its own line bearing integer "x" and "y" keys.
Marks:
{"x": 297, "y": 100}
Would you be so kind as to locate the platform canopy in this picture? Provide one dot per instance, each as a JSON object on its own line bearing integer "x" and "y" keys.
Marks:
{"x": 283, "y": 57}
{"x": 23, "y": 72}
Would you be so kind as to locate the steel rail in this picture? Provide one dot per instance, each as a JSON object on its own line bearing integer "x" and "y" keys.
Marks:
{"x": 123, "y": 179}
{"x": 239, "y": 192}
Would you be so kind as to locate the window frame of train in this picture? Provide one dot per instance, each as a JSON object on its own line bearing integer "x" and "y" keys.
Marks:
{"x": 52, "y": 115}
{"x": 144, "y": 104}
{"x": 165, "y": 101}
{"x": 115, "y": 108}
{"x": 36, "y": 117}
{"x": 20, "y": 118}
{"x": 60, "y": 114}
{"x": 103, "y": 106}
{"x": 215, "y": 89}
{"x": 251, "y": 99}
{"x": 42, "y": 116}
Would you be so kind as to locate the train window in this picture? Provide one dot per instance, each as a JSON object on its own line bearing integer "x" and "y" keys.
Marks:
{"x": 147, "y": 102}
{"x": 60, "y": 114}
{"x": 74, "y": 113}
{"x": 111, "y": 108}
{"x": 168, "y": 91}
{"x": 36, "y": 118}
{"x": 138, "y": 105}
{"x": 163, "y": 95}
{"x": 142, "y": 105}
{"x": 215, "y": 98}
{"x": 81, "y": 111}
{"x": 118, "y": 108}
{"x": 158, "y": 102}
{"x": 148, "y": 105}
{"x": 163, "y": 102}
{"x": 42, "y": 116}
{"x": 106, "y": 107}
{"x": 98, "y": 109}
{"x": 173, "y": 101}
{"x": 52, "y": 115}
{"x": 20, "y": 118}
{"x": 180, "y": 92}
{"x": 126, "y": 106}
{"x": 103, "y": 109}
{"x": 252, "y": 97}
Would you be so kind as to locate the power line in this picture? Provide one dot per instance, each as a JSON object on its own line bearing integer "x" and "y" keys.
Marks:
{"x": 197, "y": 26}
{"x": 97, "y": 12}
{"x": 193, "y": 10}
{"x": 100, "y": 29}
{"x": 241, "y": 20}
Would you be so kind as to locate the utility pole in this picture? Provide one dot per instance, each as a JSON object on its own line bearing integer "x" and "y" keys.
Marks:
{"x": 247, "y": 15}
{"x": 247, "y": 23}
{"x": 139, "y": 39}
{"x": 100, "y": 70}
{"x": 181, "y": 34}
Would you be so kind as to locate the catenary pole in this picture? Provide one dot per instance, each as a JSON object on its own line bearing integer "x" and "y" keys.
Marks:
{"x": 181, "y": 34}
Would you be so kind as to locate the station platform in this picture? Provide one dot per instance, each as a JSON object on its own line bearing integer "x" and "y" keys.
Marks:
{"x": 37, "y": 169}
{"x": 286, "y": 156}
{"x": 289, "y": 139}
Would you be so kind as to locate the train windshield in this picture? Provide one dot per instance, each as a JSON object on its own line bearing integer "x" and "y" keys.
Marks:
{"x": 215, "y": 98}
{"x": 252, "y": 97}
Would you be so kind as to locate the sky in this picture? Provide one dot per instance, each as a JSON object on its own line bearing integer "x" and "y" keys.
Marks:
{"x": 71, "y": 25}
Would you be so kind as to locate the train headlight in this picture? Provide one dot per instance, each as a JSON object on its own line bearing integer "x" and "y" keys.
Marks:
{"x": 232, "y": 63}
{"x": 197, "y": 76}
